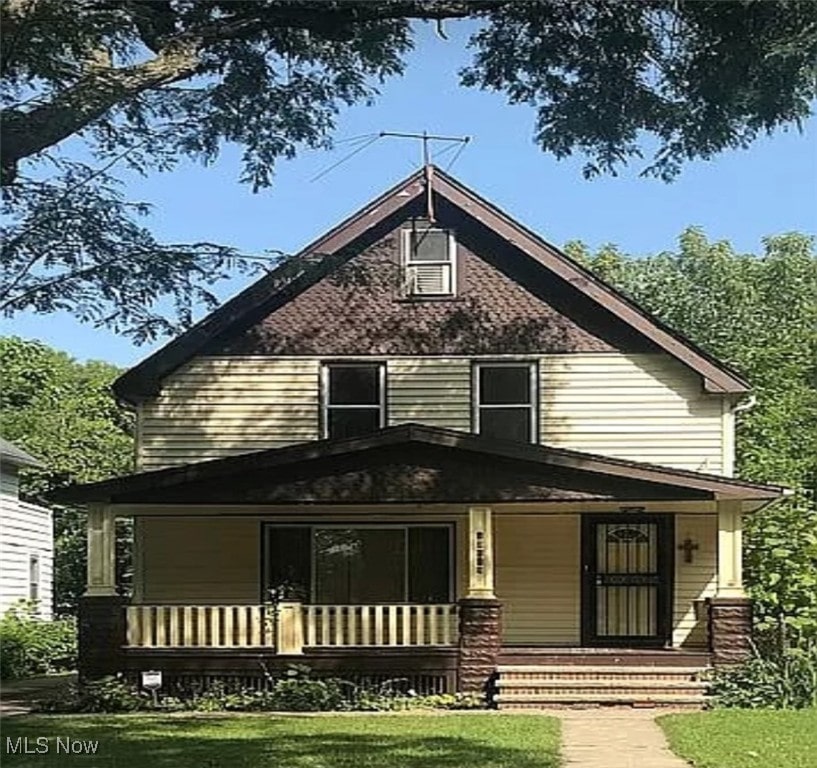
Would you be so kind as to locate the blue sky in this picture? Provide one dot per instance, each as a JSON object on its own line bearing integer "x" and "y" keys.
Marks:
{"x": 741, "y": 196}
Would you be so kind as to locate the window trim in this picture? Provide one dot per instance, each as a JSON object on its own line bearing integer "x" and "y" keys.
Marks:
{"x": 406, "y": 261}
{"x": 533, "y": 406}
{"x": 326, "y": 406}
{"x": 34, "y": 576}
{"x": 313, "y": 526}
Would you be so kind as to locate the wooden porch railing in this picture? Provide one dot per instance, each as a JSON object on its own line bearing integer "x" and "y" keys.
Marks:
{"x": 379, "y": 625}
{"x": 253, "y": 626}
{"x": 198, "y": 626}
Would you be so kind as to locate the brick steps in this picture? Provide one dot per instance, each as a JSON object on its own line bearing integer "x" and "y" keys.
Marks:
{"x": 541, "y": 685}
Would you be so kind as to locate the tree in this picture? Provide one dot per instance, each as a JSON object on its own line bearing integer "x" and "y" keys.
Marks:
{"x": 145, "y": 83}
{"x": 63, "y": 412}
{"x": 760, "y": 315}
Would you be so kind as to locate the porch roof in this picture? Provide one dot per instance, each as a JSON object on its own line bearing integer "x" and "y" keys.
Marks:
{"x": 411, "y": 463}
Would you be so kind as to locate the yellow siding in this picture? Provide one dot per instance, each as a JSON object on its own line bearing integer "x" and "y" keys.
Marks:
{"x": 218, "y": 406}
{"x": 642, "y": 407}
{"x": 537, "y": 578}
{"x": 199, "y": 561}
{"x": 695, "y": 580}
{"x": 436, "y": 392}
{"x": 212, "y": 560}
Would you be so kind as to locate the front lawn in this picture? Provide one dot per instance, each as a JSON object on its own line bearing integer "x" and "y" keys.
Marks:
{"x": 745, "y": 738}
{"x": 268, "y": 741}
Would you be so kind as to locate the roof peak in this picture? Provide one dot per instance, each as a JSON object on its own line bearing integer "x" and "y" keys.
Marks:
{"x": 281, "y": 286}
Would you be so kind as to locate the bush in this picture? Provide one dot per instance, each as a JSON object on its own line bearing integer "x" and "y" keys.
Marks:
{"x": 296, "y": 692}
{"x": 777, "y": 679}
{"x": 32, "y": 646}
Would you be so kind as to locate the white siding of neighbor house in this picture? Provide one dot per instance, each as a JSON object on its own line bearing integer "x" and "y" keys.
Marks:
{"x": 25, "y": 530}
{"x": 645, "y": 407}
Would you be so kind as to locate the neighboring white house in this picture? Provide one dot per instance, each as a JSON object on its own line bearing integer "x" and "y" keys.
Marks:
{"x": 26, "y": 538}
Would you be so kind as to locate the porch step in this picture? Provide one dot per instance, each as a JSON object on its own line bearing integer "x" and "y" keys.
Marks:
{"x": 541, "y": 685}
{"x": 506, "y": 702}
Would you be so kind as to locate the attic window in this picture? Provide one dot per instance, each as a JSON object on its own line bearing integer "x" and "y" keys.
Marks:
{"x": 429, "y": 260}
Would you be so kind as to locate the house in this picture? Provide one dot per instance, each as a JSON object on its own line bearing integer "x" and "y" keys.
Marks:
{"x": 431, "y": 446}
{"x": 26, "y": 538}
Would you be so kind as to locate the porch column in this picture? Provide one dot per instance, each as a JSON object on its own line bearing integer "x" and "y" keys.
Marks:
{"x": 480, "y": 612}
{"x": 101, "y": 552}
{"x": 730, "y": 611}
{"x": 480, "y": 552}
{"x": 101, "y": 610}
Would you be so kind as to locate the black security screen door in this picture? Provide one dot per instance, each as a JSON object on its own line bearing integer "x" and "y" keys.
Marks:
{"x": 627, "y": 575}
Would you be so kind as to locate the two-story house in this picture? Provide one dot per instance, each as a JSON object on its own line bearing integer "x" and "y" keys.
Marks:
{"x": 430, "y": 446}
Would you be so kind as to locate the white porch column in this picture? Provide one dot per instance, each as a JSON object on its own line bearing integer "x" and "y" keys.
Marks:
{"x": 480, "y": 552}
{"x": 730, "y": 549}
{"x": 101, "y": 552}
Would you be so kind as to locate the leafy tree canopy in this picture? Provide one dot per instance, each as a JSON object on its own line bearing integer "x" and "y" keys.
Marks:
{"x": 146, "y": 83}
{"x": 63, "y": 412}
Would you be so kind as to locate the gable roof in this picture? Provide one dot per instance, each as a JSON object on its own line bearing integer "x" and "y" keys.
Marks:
{"x": 320, "y": 257}
{"x": 17, "y": 457}
{"x": 414, "y": 463}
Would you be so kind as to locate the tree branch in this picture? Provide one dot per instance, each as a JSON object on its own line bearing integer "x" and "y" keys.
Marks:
{"x": 26, "y": 133}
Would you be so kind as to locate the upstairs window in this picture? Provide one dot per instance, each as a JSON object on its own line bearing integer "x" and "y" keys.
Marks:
{"x": 505, "y": 401}
{"x": 353, "y": 399}
{"x": 429, "y": 260}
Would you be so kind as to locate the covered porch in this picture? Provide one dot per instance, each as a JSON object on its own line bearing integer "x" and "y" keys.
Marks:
{"x": 414, "y": 551}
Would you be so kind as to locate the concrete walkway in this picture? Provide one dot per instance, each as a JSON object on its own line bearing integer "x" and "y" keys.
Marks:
{"x": 615, "y": 738}
{"x": 18, "y": 696}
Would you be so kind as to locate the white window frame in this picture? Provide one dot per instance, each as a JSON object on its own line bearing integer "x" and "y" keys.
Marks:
{"x": 326, "y": 406}
{"x": 34, "y": 576}
{"x": 408, "y": 262}
{"x": 533, "y": 406}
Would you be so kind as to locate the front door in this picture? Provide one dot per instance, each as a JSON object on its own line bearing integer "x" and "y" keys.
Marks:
{"x": 627, "y": 579}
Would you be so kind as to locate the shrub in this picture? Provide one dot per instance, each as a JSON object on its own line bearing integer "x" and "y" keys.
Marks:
{"x": 774, "y": 679}
{"x": 30, "y": 645}
{"x": 108, "y": 694}
{"x": 781, "y": 568}
{"x": 297, "y": 692}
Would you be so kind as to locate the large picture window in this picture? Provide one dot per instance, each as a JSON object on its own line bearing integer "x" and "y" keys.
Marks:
{"x": 358, "y": 565}
{"x": 505, "y": 401}
{"x": 354, "y": 399}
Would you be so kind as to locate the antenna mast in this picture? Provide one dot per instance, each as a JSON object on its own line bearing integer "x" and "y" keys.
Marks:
{"x": 425, "y": 138}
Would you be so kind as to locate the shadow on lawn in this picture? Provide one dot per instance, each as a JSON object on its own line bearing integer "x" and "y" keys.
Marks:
{"x": 293, "y": 743}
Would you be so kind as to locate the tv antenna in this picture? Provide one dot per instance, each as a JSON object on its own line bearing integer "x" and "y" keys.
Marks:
{"x": 425, "y": 138}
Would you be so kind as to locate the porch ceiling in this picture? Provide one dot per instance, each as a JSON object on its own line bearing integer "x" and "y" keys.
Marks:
{"x": 411, "y": 463}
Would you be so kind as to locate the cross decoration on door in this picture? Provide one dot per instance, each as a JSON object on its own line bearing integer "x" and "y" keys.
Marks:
{"x": 688, "y": 546}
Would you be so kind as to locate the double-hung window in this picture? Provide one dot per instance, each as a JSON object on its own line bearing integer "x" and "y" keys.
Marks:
{"x": 354, "y": 398}
{"x": 505, "y": 400}
{"x": 429, "y": 261}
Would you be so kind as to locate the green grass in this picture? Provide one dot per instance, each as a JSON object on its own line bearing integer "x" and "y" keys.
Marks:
{"x": 745, "y": 738}
{"x": 267, "y": 741}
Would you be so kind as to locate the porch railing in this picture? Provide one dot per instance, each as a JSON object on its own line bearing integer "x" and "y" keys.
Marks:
{"x": 379, "y": 625}
{"x": 198, "y": 626}
{"x": 320, "y": 626}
